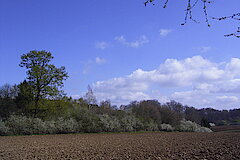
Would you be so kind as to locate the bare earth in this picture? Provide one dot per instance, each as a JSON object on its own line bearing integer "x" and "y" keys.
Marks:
{"x": 157, "y": 145}
{"x": 231, "y": 128}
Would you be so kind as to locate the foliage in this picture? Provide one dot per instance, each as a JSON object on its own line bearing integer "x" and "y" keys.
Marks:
{"x": 20, "y": 125}
{"x": 25, "y": 97}
{"x": 203, "y": 129}
{"x": 66, "y": 125}
{"x": 169, "y": 116}
{"x": 188, "y": 126}
{"x": 89, "y": 121}
{"x": 166, "y": 127}
{"x": 66, "y": 115}
{"x": 151, "y": 126}
{"x": 110, "y": 124}
{"x": 44, "y": 78}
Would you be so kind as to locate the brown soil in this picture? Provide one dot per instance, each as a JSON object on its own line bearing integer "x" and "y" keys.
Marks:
{"x": 158, "y": 145}
{"x": 230, "y": 128}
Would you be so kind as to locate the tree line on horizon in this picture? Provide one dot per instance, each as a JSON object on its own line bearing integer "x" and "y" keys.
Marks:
{"x": 14, "y": 102}
{"x": 39, "y": 102}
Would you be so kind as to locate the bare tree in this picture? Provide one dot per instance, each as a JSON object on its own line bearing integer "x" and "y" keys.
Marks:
{"x": 8, "y": 91}
{"x": 90, "y": 97}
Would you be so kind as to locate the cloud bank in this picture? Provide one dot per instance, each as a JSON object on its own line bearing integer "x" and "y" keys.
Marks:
{"x": 194, "y": 81}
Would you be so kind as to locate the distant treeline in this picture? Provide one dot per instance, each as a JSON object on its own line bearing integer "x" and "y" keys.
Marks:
{"x": 177, "y": 111}
{"x": 60, "y": 114}
{"x": 18, "y": 115}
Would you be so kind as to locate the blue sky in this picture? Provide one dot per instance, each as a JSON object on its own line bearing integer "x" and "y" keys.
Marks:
{"x": 126, "y": 51}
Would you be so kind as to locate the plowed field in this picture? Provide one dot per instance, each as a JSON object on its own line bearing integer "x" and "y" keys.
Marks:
{"x": 157, "y": 145}
{"x": 233, "y": 128}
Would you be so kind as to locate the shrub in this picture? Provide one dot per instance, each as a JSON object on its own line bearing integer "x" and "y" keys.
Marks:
{"x": 66, "y": 125}
{"x": 139, "y": 125}
{"x": 4, "y": 130}
{"x": 109, "y": 124}
{"x": 203, "y": 129}
{"x": 90, "y": 123}
{"x": 22, "y": 125}
{"x": 188, "y": 126}
{"x": 87, "y": 121}
{"x": 19, "y": 125}
{"x": 38, "y": 126}
{"x": 166, "y": 127}
{"x": 128, "y": 123}
{"x": 151, "y": 126}
{"x": 50, "y": 127}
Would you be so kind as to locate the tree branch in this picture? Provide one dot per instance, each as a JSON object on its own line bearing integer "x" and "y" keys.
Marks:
{"x": 189, "y": 13}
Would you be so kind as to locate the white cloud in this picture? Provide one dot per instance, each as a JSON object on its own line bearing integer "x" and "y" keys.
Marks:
{"x": 195, "y": 81}
{"x": 102, "y": 45}
{"x": 100, "y": 60}
{"x": 228, "y": 99}
{"x": 233, "y": 67}
{"x": 134, "y": 44}
{"x": 164, "y": 32}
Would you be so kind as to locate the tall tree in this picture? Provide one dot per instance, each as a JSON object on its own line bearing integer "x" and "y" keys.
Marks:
{"x": 45, "y": 78}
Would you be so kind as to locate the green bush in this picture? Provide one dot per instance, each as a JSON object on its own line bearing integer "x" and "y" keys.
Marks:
{"x": 66, "y": 125}
{"x": 109, "y": 124}
{"x": 128, "y": 123}
{"x": 87, "y": 121}
{"x": 151, "y": 126}
{"x": 90, "y": 123}
{"x": 139, "y": 125}
{"x": 19, "y": 125}
{"x": 50, "y": 127}
{"x": 38, "y": 126}
{"x": 22, "y": 125}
